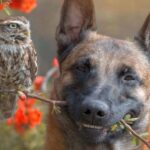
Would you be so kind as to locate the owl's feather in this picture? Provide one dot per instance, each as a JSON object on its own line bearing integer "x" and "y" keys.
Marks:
{"x": 32, "y": 60}
{"x": 7, "y": 108}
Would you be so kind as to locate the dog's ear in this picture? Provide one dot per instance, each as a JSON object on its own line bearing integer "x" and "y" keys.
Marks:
{"x": 77, "y": 16}
{"x": 144, "y": 34}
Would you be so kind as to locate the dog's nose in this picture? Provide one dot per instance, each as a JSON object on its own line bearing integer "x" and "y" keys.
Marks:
{"x": 94, "y": 110}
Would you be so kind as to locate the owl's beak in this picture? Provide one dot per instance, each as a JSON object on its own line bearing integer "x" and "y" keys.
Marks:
{"x": 26, "y": 33}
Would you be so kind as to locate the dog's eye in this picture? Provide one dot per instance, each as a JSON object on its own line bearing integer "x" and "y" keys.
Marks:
{"x": 82, "y": 66}
{"x": 129, "y": 78}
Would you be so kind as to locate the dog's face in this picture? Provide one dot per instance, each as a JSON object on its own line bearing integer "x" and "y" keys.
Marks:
{"x": 102, "y": 79}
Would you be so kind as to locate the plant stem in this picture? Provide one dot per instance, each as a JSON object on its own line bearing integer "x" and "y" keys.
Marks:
{"x": 59, "y": 103}
{"x": 35, "y": 96}
{"x": 128, "y": 127}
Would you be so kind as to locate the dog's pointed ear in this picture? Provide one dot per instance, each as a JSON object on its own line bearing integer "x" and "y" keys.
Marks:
{"x": 144, "y": 34}
{"x": 77, "y": 16}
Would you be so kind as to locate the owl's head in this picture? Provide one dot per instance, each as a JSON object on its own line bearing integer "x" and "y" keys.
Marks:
{"x": 14, "y": 30}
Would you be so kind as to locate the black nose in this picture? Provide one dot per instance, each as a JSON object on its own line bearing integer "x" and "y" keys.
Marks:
{"x": 94, "y": 111}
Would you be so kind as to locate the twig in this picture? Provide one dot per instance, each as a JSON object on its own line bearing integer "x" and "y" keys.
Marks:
{"x": 54, "y": 102}
{"x": 134, "y": 133}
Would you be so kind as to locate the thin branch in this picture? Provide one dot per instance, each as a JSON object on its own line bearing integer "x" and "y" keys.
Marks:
{"x": 59, "y": 103}
{"x": 128, "y": 127}
{"x": 35, "y": 96}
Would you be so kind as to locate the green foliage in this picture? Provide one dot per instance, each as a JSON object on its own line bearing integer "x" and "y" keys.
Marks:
{"x": 31, "y": 140}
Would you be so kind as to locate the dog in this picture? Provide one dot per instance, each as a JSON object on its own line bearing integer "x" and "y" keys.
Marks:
{"x": 102, "y": 79}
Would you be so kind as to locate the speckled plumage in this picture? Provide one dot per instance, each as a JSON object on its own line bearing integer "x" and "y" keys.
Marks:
{"x": 18, "y": 61}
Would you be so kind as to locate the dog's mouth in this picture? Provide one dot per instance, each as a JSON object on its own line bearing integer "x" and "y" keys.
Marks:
{"x": 92, "y": 126}
{"x": 129, "y": 119}
{"x": 91, "y": 131}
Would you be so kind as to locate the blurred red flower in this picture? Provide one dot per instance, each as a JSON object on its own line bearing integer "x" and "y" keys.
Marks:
{"x": 25, "y": 116}
{"x": 25, "y": 6}
{"x": 38, "y": 82}
{"x": 55, "y": 62}
{"x": 34, "y": 117}
{"x": 1, "y": 6}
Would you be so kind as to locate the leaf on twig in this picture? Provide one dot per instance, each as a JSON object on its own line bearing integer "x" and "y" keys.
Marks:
{"x": 56, "y": 109}
{"x": 114, "y": 127}
{"x": 145, "y": 134}
{"x": 128, "y": 119}
{"x": 135, "y": 134}
{"x": 135, "y": 141}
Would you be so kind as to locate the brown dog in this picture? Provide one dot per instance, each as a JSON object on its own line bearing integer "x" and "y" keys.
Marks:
{"x": 102, "y": 79}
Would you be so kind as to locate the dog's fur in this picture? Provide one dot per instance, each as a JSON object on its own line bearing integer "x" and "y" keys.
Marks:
{"x": 97, "y": 72}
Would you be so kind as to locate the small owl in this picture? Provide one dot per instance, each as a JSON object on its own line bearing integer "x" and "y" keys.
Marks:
{"x": 18, "y": 61}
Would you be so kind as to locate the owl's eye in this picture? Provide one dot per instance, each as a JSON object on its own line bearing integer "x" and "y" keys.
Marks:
{"x": 13, "y": 26}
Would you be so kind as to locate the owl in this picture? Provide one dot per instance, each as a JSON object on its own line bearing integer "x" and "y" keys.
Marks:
{"x": 18, "y": 61}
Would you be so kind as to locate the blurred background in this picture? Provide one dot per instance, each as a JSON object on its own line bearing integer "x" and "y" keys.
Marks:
{"x": 117, "y": 18}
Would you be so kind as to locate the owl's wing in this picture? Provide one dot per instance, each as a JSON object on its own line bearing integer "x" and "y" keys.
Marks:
{"x": 32, "y": 60}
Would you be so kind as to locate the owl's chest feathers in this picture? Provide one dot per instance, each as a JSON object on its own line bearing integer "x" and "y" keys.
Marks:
{"x": 13, "y": 59}
{"x": 11, "y": 55}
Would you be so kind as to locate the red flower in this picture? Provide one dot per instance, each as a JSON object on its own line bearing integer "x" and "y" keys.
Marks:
{"x": 34, "y": 117}
{"x": 30, "y": 102}
{"x": 20, "y": 117}
{"x": 25, "y": 6}
{"x": 9, "y": 121}
{"x": 38, "y": 82}
{"x": 1, "y": 6}
{"x": 55, "y": 62}
{"x": 25, "y": 116}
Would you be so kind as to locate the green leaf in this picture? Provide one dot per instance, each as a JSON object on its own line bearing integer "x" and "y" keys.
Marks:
{"x": 122, "y": 126}
{"x": 133, "y": 119}
{"x": 144, "y": 135}
{"x": 114, "y": 127}
{"x": 127, "y": 117}
{"x": 56, "y": 110}
{"x": 135, "y": 141}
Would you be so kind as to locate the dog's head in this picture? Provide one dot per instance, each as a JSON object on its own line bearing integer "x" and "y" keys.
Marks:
{"x": 101, "y": 78}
